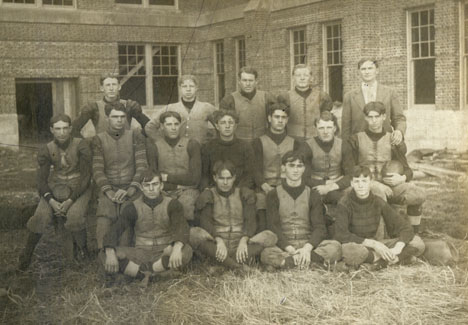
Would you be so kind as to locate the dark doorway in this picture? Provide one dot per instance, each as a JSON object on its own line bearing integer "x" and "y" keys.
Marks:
{"x": 34, "y": 109}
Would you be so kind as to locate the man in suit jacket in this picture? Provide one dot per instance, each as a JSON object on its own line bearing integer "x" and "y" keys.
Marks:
{"x": 353, "y": 121}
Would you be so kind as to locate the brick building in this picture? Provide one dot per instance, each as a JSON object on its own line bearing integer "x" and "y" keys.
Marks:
{"x": 52, "y": 53}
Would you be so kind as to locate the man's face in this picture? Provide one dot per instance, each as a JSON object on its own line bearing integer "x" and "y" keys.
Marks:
{"x": 117, "y": 119}
{"x": 110, "y": 87}
{"x": 302, "y": 78}
{"x": 188, "y": 90}
{"x": 226, "y": 126}
{"x": 153, "y": 188}
{"x": 278, "y": 121}
{"x": 368, "y": 71}
{"x": 61, "y": 131}
{"x": 293, "y": 170}
{"x": 171, "y": 127}
{"x": 361, "y": 186}
{"x": 247, "y": 82}
{"x": 326, "y": 130}
{"x": 224, "y": 181}
{"x": 375, "y": 121}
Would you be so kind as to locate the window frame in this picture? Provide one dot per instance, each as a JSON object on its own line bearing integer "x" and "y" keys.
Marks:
{"x": 410, "y": 60}
{"x": 145, "y": 4}
{"x": 326, "y": 66}
{"x": 39, "y": 4}
{"x": 292, "y": 55}
{"x": 148, "y": 63}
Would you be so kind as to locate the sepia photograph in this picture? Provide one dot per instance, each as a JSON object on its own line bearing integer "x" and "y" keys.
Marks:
{"x": 234, "y": 162}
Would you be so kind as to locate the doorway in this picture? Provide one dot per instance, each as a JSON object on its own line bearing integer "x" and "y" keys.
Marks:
{"x": 34, "y": 105}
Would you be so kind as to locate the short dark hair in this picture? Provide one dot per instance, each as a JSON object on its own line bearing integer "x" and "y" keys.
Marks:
{"x": 149, "y": 174}
{"x": 378, "y": 107}
{"x": 219, "y": 114}
{"x": 248, "y": 70}
{"x": 301, "y": 66}
{"x": 221, "y": 165}
{"x": 279, "y": 106}
{"x": 117, "y": 105}
{"x": 59, "y": 117}
{"x": 291, "y": 156}
{"x": 106, "y": 75}
{"x": 359, "y": 171}
{"x": 187, "y": 77}
{"x": 361, "y": 62}
{"x": 326, "y": 116}
{"x": 166, "y": 114}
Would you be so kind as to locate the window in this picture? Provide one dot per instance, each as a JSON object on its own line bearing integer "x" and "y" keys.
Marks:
{"x": 58, "y": 2}
{"x": 298, "y": 47}
{"x": 220, "y": 88}
{"x": 149, "y": 3}
{"x": 19, "y": 1}
{"x": 149, "y": 73}
{"x": 240, "y": 56}
{"x": 422, "y": 57}
{"x": 240, "y": 52}
{"x": 333, "y": 72}
{"x": 40, "y": 3}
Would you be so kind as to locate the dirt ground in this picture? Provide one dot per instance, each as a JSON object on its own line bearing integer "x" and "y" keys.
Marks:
{"x": 54, "y": 292}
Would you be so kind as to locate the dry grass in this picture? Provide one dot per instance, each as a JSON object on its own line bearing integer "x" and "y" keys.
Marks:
{"x": 53, "y": 293}
{"x": 421, "y": 294}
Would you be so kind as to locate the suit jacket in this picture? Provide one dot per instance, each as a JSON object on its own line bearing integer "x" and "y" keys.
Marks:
{"x": 353, "y": 121}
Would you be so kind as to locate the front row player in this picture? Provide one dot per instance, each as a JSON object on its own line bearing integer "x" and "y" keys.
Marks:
{"x": 370, "y": 230}
{"x": 228, "y": 221}
{"x": 64, "y": 192}
{"x": 161, "y": 233}
{"x": 295, "y": 215}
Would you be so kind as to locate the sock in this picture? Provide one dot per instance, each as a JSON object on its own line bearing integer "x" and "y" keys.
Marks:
{"x": 123, "y": 265}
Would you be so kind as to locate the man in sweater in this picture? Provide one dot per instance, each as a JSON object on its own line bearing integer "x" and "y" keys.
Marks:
{"x": 329, "y": 172}
{"x": 195, "y": 114}
{"x": 64, "y": 192}
{"x": 119, "y": 159}
{"x": 295, "y": 215}
{"x": 370, "y": 230}
{"x": 227, "y": 147}
{"x": 161, "y": 234}
{"x": 268, "y": 150}
{"x": 353, "y": 119}
{"x": 250, "y": 104}
{"x": 95, "y": 111}
{"x": 178, "y": 160}
{"x": 373, "y": 148}
{"x": 227, "y": 221}
{"x": 306, "y": 103}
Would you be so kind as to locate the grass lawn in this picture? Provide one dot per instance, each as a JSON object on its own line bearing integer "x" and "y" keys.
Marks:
{"x": 53, "y": 292}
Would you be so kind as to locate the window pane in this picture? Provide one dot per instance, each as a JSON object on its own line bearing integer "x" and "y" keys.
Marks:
{"x": 424, "y": 33}
{"x": 424, "y": 81}
{"x": 424, "y": 18}
{"x": 432, "y": 49}
{"x": 132, "y": 2}
{"x": 414, "y": 35}
{"x": 329, "y": 31}
{"x": 19, "y": 1}
{"x": 336, "y": 31}
{"x": 424, "y": 50}
{"x": 221, "y": 86}
{"x": 162, "y": 2}
{"x": 414, "y": 19}
{"x": 165, "y": 90}
{"x": 431, "y": 15}
{"x": 432, "y": 33}
{"x": 134, "y": 88}
{"x": 58, "y": 2}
